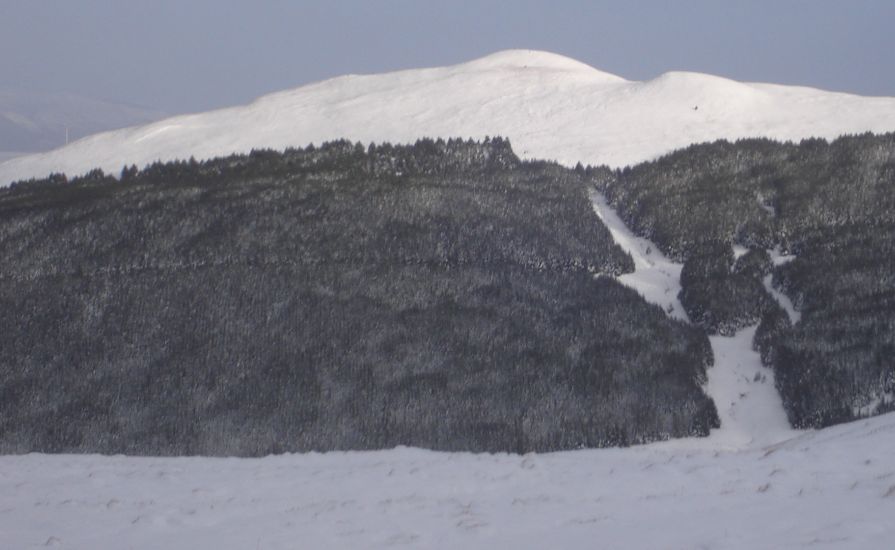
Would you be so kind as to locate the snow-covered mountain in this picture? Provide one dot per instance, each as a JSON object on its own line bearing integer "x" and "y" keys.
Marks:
{"x": 736, "y": 489}
{"x": 550, "y": 107}
{"x": 33, "y": 121}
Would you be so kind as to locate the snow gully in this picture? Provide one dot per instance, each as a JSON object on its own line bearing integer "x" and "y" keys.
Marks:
{"x": 749, "y": 406}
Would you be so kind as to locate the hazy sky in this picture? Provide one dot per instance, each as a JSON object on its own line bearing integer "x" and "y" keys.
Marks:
{"x": 187, "y": 55}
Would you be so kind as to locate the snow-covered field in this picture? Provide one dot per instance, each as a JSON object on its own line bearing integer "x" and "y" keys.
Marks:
{"x": 551, "y": 107}
{"x": 833, "y": 488}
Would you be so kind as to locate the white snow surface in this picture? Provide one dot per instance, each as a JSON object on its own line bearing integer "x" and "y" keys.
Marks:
{"x": 833, "y": 488}
{"x": 550, "y": 106}
{"x": 749, "y": 406}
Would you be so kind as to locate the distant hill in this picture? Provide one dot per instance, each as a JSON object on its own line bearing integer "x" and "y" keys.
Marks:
{"x": 33, "y": 121}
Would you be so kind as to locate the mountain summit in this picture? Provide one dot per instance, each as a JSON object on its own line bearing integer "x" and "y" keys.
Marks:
{"x": 549, "y": 106}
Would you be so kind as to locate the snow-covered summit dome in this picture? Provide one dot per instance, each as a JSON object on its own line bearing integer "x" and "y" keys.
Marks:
{"x": 548, "y": 105}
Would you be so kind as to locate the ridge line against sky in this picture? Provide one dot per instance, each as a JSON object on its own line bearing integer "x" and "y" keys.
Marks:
{"x": 204, "y": 54}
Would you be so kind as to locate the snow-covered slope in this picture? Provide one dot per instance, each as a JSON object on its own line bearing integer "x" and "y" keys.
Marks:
{"x": 549, "y": 106}
{"x": 833, "y": 488}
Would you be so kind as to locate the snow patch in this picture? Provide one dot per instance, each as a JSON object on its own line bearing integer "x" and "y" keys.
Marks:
{"x": 782, "y": 299}
{"x": 778, "y": 258}
{"x": 655, "y": 277}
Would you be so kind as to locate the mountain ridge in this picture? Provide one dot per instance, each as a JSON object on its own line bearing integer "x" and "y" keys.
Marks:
{"x": 548, "y": 105}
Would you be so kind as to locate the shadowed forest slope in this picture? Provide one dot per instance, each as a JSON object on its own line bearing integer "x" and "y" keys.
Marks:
{"x": 832, "y": 205}
{"x": 441, "y": 295}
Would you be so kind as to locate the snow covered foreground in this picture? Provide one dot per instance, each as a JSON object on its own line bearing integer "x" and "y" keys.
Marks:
{"x": 550, "y": 106}
{"x": 833, "y": 488}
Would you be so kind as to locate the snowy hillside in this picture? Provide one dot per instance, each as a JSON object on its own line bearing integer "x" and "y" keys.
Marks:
{"x": 550, "y": 107}
{"x": 834, "y": 488}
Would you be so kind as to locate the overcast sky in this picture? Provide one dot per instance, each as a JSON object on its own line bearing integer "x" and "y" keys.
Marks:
{"x": 190, "y": 55}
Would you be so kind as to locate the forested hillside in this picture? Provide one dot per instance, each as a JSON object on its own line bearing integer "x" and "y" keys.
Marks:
{"x": 832, "y": 205}
{"x": 441, "y": 295}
